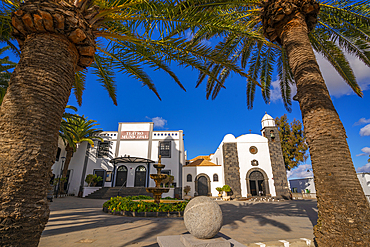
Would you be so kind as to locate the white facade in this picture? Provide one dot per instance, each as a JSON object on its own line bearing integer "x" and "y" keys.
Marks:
{"x": 252, "y": 155}
{"x": 126, "y": 157}
{"x": 303, "y": 184}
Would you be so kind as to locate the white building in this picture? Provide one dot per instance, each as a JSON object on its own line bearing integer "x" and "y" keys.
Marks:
{"x": 125, "y": 158}
{"x": 305, "y": 185}
{"x": 251, "y": 164}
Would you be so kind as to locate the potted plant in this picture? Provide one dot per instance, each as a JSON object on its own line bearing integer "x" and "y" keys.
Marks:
{"x": 219, "y": 189}
{"x": 226, "y": 188}
{"x": 186, "y": 191}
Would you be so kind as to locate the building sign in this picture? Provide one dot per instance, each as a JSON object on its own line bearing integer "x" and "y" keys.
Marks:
{"x": 135, "y": 135}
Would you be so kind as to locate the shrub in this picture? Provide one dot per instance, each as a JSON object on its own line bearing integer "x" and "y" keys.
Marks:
{"x": 226, "y": 188}
{"x": 219, "y": 189}
{"x": 91, "y": 180}
{"x": 127, "y": 204}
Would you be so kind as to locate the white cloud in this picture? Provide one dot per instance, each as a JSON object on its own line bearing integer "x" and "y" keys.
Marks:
{"x": 158, "y": 122}
{"x": 362, "y": 121}
{"x": 365, "y": 168}
{"x": 275, "y": 94}
{"x": 365, "y": 131}
{"x": 302, "y": 171}
{"x": 365, "y": 151}
{"x": 337, "y": 86}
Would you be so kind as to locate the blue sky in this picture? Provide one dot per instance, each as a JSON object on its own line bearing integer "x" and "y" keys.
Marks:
{"x": 206, "y": 122}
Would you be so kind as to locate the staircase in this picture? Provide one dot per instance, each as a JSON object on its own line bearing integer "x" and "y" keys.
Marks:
{"x": 108, "y": 192}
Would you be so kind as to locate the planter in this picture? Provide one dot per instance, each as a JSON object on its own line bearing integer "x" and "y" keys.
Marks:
{"x": 187, "y": 197}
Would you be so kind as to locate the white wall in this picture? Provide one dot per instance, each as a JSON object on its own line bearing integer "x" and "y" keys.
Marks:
{"x": 209, "y": 170}
{"x": 262, "y": 156}
{"x": 302, "y": 184}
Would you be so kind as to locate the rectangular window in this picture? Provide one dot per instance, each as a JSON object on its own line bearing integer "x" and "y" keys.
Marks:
{"x": 103, "y": 149}
{"x": 165, "y": 149}
{"x": 168, "y": 172}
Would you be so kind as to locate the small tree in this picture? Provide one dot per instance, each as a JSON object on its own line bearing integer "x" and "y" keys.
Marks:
{"x": 219, "y": 189}
{"x": 92, "y": 180}
{"x": 293, "y": 141}
{"x": 226, "y": 188}
{"x": 187, "y": 189}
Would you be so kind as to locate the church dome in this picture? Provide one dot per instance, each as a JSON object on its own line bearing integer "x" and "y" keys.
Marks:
{"x": 267, "y": 121}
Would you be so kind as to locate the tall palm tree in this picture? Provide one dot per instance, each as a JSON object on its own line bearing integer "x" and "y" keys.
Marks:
{"x": 58, "y": 41}
{"x": 295, "y": 29}
{"x": 75, "y": 130}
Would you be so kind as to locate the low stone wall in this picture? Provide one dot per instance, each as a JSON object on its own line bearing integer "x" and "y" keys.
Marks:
{"x": 301, "y": 196}
{"x": 144, "y": 214}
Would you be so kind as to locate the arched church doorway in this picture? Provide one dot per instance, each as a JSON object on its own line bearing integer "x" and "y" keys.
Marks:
{"x": 140, "y": 176}
{"x": 257, "y": 183}
{"x": 203, "y": 185}
{"x": 121, "y": 176}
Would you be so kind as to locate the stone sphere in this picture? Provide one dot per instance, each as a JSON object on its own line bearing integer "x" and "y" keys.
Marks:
{"x": 203, "y": 217}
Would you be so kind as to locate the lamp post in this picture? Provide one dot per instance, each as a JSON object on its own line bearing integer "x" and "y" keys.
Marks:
{"x": 60, "y": 175}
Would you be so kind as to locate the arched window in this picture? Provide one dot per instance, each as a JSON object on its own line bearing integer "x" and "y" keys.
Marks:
{"x": 215, "y": 177}
{"x": 189, "y": 178}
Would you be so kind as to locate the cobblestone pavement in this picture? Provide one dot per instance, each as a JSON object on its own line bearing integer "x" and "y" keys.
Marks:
{"x": 81, "y": 222}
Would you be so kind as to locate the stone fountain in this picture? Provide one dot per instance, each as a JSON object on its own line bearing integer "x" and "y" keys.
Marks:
{"x": 157, "y": 191}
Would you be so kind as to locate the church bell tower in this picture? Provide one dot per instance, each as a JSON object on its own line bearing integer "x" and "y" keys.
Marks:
{"x": 271, "y": 132}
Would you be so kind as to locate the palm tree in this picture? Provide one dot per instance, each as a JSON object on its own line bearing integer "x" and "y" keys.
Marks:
{"x": 290, "y": 26}
{"x": 5, "y": 66}
{"x": 58, "y": 41}
{"x": 75, "y": 130}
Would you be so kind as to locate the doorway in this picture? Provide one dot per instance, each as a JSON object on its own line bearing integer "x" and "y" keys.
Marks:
{"x": 257, "y": 184}
{"x": 140, "y": 176}
{"x": 121, "y": 177}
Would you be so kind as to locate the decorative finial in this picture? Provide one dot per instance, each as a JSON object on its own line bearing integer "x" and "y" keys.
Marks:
{"x": 250, "y": 131}
{"x": 159, "y": 160}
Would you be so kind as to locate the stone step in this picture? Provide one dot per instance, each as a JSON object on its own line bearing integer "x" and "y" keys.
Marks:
{"x": 302, "y": 242}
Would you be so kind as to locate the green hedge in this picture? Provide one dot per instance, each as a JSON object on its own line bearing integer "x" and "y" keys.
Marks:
{"x": 127, "y": 204}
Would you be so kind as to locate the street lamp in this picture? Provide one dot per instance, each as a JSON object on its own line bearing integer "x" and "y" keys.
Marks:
{"x": 60, "y": 175}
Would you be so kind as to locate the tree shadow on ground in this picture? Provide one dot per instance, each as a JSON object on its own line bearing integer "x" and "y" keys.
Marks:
{"x": 73, "y": 215}
{"x": 263, "y": 212}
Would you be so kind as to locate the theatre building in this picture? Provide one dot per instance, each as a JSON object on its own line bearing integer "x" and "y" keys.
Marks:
{"x": 125, "y": 158}
{"x": 251, "y": 164}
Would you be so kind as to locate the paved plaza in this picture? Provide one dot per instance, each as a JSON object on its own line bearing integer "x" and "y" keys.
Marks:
{"x": 81, "y": 222}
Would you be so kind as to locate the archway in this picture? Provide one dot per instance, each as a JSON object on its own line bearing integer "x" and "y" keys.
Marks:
{"x": 140, "y": 176}
{"x": 203, "y": 185}
{"x": 121, "y": 177}
{"x": 257, "y": 183}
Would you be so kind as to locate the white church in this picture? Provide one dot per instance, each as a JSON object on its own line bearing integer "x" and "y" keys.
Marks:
{"x": 251, "y": 164}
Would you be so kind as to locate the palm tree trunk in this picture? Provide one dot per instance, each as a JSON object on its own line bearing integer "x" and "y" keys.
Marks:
{"x": 344, "y": 213}
{"x": 30, "y": 117}
{"x": 69, "y": 150}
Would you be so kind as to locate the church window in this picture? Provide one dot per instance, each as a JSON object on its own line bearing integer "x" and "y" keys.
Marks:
{"x": 215, "y": 178}
{"x": 253, "y": 150}
{"x": 189, "y": 178}
{"x": 254, "y": 163}
{"x": 165, "y": 149}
